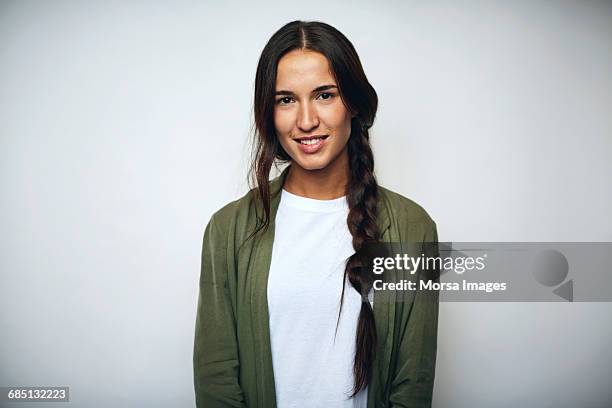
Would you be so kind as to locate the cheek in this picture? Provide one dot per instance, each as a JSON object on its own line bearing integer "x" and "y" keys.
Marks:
{"x": 339, "y": 119}
{"x": 283, "y": 122}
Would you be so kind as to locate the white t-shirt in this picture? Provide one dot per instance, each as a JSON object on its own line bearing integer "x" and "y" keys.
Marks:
{"x": 311, "y": 245}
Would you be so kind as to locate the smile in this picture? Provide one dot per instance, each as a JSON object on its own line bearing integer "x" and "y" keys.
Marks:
{"x": 311, "y": 144}
{"x": 311, "y": 140}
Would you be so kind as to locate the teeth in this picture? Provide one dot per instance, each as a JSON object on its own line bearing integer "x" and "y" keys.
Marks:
{"x": 311, "y": 141}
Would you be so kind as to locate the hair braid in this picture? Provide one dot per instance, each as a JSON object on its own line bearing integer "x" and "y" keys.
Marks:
{"x": 362, "y": 200}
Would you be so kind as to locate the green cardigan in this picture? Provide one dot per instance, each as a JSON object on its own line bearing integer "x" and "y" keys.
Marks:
{"x": 232, "y": 358}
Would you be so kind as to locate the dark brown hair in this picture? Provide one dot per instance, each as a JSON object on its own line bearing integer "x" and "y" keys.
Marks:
{"x": 362, "y": 190}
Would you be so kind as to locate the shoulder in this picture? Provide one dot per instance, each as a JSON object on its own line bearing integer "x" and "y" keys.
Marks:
{"x": 235, "y": 215}
{"x": 238, "y": 219}
{"x": 405, "y": 213}
{"x": 234, "y": 208}
{"x": 404, "y": 206}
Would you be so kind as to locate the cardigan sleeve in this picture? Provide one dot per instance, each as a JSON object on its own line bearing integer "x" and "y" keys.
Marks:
{"x": 215, "y": 356}
{"x": 413, "y": 379}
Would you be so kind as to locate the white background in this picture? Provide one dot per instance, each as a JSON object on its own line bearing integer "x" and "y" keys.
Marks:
{"x": 124, "y": 125}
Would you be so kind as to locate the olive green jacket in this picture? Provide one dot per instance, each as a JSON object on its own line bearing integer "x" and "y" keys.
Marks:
{"x": 232, "y": 357}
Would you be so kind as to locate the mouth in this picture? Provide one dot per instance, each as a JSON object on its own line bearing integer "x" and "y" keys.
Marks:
{"x": 311, "y": 144}
{"x": 310, "y": 140}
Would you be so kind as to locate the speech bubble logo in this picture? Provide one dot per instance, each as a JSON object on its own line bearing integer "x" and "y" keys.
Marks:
{"x": 550, "y": 269}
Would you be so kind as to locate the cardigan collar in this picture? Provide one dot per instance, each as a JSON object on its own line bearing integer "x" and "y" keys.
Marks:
{"x": 383, "y": 217}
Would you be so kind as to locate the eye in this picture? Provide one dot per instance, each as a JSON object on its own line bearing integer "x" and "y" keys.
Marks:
{"x": 285, "y": 100}
{"x": 326, "y": 95}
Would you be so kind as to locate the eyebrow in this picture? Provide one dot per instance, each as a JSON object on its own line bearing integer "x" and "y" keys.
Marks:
{"x": 317, "y": 89}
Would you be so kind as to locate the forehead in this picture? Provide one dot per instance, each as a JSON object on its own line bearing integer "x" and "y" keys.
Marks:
{"x": 303, "y": 70}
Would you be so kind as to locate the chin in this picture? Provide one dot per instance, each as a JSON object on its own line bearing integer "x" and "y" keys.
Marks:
{"x": 311, "y": 164}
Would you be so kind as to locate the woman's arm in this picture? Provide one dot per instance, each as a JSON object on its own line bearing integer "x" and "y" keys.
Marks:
{"x": 215, "y": 355}
{"x": 412, "y": 385}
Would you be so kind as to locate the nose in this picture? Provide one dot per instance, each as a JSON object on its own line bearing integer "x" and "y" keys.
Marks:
{"x": 308, "y": 119}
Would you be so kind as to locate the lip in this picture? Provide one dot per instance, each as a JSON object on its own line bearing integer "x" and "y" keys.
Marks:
{"x": 311, "y": 148}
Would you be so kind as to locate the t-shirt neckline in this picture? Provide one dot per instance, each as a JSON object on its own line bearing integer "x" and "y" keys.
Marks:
{"x": 312, "y": 204}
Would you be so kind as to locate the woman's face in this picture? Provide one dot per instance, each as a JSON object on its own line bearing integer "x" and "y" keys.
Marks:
{"x": 311, "y": 121}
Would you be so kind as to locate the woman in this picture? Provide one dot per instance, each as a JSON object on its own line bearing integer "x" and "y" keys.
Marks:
{"x": 286, "y": 315}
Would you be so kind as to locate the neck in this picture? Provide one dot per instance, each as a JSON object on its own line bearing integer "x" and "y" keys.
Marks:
{"x": 322, "y": 184}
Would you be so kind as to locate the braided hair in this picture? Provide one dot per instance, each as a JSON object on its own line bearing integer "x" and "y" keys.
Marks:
{"x": 362, "y": 200}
